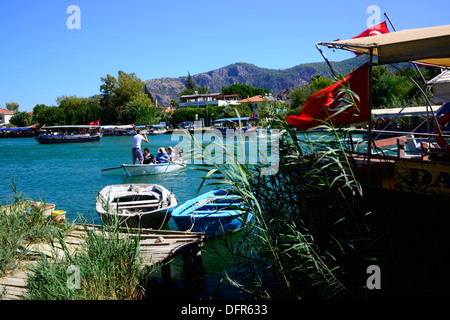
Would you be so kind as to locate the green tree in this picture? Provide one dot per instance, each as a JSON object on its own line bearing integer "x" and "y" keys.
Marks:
{"x": 12, "y": 106}
{"x": 148, "y": 93}
{"x": 300, "y": 94}
{"x": 79, "y": 110}
{"x": 244, "y": 90}
{"x": 190, "y": 85}
{"x": 116, "y": 93}
{"x": 109, "y": 112}
{"x": 200, "y": 90}
{"x": 129, "y": 87}
{"x": 87, "y": 112}
{"x": 50, "y": 116}
{"x": 21, "y": 119}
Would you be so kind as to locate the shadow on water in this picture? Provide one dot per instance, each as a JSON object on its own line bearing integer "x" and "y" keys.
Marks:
{"x": 206, "y": 283}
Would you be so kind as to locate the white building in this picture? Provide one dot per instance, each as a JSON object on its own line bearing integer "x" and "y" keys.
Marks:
{"x": 208, "y": 99}
{"x": 5, "y": 116}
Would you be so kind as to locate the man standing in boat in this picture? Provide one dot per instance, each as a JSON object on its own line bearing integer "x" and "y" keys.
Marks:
{"x": 137, "y": 152}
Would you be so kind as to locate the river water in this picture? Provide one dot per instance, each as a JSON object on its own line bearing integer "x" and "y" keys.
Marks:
{"x": 70, "y": 176}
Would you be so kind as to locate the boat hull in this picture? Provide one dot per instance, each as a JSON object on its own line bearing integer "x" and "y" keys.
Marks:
{"x": 136, "y": 206}
{"x": 147, "y": 169}
{"x": 53, "y": 139}
{"x": 214, "y": 213}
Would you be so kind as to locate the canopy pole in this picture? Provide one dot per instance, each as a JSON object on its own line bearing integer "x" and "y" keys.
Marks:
{"x": 369, "y": 104}
{"x": 426, "y": 98}
{"x": 326, "y": 60}
{"x": 415, "y": 65}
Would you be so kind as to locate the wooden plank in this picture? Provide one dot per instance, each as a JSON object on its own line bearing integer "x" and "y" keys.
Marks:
{"x": 16, "y": 291}
{"x": 389, "y": 141}
{"x": 121, "y": 203}
{"x": 152, "y": 251}
{"x": 13, "y": 282}
{"x": 140, "y": 206}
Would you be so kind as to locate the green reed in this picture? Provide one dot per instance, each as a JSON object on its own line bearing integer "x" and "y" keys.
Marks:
{"x": 108, "y": 267}
{"x": 312, "y": 236}
{"x": 23, "y": 223}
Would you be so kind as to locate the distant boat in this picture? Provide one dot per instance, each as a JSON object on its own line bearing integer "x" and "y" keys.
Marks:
{"x": 136, "y": 205}
{"x": 68, "y": 134}
{"x": 215, "y": 213}
{"x": 157, "y": 129}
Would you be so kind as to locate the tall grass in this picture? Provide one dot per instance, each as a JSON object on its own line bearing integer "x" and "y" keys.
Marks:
{"x": 108, "y": 267}
{"x": 107, "y": 263}
{"x": 21, "y": 225}
{"x": 312, "y": 236}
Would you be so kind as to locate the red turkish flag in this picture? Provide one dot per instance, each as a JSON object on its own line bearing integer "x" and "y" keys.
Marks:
{"x": 375, "y": 30}
{"x": 327, "y": 105}
{"x": 95, "y": 123}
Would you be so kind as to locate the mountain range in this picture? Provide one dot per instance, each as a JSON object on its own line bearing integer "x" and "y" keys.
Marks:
{"x": 279, "y": 81}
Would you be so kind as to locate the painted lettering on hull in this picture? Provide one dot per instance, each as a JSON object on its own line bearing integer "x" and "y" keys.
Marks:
{"x": 422, "y": 177}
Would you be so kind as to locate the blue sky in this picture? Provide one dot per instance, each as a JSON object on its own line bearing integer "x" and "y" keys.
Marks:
{"x": 42, "y": 59}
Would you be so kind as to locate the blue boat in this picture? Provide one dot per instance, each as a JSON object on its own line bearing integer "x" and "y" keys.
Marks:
{"x": 68, "y": 134}
{"x": 214, "y": 213}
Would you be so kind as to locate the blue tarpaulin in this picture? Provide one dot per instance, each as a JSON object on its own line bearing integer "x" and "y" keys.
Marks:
{"x": 17, "y": 129}
{"x": 444, "y": 109}
{"x": 236, "y": 119}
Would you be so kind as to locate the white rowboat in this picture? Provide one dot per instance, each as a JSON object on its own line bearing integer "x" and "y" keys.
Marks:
{"x": 136, "y": 205}
{"x": 145, "y": 169}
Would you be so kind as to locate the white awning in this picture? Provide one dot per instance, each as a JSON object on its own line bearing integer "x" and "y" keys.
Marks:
{"x": 441, "y": 87}
{"x": 406, "y": 112}
{"x": 425, "y": 45}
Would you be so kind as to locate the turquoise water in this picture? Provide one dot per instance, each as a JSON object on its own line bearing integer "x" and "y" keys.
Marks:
{"x": 70, "y": 176}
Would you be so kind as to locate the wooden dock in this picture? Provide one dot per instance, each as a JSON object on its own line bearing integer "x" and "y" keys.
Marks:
{"x": 157, "y": 247}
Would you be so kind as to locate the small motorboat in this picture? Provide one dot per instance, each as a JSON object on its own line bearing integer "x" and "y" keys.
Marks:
{"x": 214, "y": 213}
{"x": 136, "y": 205}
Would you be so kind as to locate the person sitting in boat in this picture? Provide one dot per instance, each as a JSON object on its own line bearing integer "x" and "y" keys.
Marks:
{"x": 148, "y": 157}
{"x": 178, "y": 154}
{"x": 162, "y": 156}
{"x": 170, "y": 154}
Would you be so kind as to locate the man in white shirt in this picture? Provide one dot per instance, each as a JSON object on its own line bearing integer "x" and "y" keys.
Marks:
{"x": 137, "y": 152}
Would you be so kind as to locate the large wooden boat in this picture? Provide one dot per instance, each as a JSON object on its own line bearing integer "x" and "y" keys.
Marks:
{"x": 68, "y": 134}
{"x": 427, "y": 172}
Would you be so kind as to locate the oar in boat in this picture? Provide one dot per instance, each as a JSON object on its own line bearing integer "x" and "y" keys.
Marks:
{"x": 112, "y": 168}
{"x": 183, "y": 164}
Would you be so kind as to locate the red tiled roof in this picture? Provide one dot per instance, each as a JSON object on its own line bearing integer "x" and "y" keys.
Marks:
{"x": 6, "y": 111}
{"x": 259, "y": 98}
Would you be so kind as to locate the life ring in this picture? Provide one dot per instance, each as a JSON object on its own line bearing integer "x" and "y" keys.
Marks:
{"x": 83, "y": 131}
{"x": 380, "y": 122}
{"x": 441, "y": 124}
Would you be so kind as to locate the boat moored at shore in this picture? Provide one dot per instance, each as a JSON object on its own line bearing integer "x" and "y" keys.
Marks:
{"x": 69, "y": 134}
{"x": 136, "y": 205}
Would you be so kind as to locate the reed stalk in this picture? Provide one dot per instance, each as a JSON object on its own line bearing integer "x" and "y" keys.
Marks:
{"x": 311, "y": 229}
{"x": 109, "y": 267}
